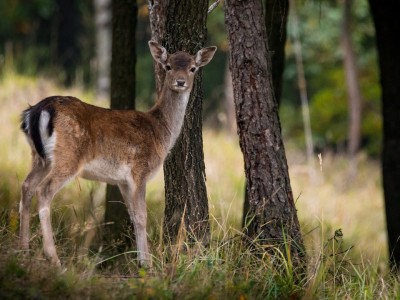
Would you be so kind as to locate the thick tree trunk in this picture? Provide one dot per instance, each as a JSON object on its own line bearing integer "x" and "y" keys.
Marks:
{"x": 276, "y": 16}
{"x": 184, "y": 170}
{"x": 353, "y": 88}
{"x": 387, "y": 29}
{"x": 123, "y": 80}
{"x": 272, "y": 213}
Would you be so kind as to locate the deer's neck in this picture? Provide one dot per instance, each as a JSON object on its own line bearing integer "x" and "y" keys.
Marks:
{"x": 170, "y": 111}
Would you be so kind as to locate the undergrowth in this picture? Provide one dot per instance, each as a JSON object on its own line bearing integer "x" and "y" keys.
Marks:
{"x": 227, "y": 269}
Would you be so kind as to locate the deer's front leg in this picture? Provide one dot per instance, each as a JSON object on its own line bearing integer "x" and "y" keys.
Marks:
{"x": 134, "y": 196}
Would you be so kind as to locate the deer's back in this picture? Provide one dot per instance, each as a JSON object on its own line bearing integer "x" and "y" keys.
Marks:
{"x": 97, "y": 139}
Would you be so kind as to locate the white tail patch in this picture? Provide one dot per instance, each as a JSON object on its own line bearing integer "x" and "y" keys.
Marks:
{"x": 43, "y": 125}
{"x": 47, "y": 141}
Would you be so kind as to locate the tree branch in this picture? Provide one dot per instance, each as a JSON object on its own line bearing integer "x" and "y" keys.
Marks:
{"x": 213, "y": 6}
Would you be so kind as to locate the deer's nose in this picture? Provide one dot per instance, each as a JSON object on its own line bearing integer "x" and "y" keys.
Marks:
{"x": 180, "y": 82}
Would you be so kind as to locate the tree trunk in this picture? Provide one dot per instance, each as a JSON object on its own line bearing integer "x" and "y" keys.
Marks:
{"x": 276, "y": 16}
{"x": 272, "y": 213}
{"x": 69, "y": 26}
{"x": 302, "y": 84}
{"x": 184, "y": 170}
{"x": 103, "y": 46}
{"x": 387, "y": 29}
{"x": 158, "y": 20}
{"x": 123, "y": 80}
{"x": 353, "y": 89}
{"x": 228, "y": 102}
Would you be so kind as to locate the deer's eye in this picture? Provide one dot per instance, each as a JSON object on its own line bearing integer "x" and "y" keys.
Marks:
{"x": 168, "y": 67}
{"x": 193, "y": 70}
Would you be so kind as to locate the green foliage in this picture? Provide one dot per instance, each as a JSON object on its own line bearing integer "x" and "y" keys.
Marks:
{"x": 216, "y": 28}
{"x": 145, "y": 91}
{"x": 320, "y": 30}
{"x": 19, "y": 18}
{"x": 329, "y": 113}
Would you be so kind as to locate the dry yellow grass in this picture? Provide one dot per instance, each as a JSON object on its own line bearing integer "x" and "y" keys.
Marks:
{"x": 356, "y": 206}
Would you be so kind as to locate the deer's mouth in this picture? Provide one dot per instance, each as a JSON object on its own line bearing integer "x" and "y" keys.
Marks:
{"x": 178, "y": 87}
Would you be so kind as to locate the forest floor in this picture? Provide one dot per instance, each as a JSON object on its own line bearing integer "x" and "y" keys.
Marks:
{"x": 342, "y": 218}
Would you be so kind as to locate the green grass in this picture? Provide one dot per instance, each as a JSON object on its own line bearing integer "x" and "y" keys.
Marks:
{"x": 348, "y": 266}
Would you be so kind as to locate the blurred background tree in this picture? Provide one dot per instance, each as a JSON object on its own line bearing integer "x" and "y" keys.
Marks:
{"x": 54, "y": 37}
{"x": 320, "y": 33}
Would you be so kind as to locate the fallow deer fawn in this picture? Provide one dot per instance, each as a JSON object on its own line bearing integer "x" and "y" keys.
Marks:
{"x": 70, "y": 138}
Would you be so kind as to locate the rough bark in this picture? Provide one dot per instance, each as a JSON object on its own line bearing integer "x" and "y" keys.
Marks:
{"x": 158, "y": 18}
{"x": 123, "y": 80}
{"x": 184, "y": 170}
{"x": 276, "y": 16}
{"x": 353, "y": 88}
{"x": 387, "y": 29}
{"x": 273, "y": 217}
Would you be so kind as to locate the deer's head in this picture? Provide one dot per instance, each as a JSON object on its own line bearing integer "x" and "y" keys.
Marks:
{"x": 180, "y": 67}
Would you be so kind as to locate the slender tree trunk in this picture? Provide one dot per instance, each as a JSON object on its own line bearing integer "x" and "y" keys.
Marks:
{"x": 69, "y": 26}
{"x": 302, "y": 84}
{"x": 184, "y": 170}
{"x": 387, "y": 29}
{"x": 103, "y": 46}
{"x": 123, "y": 80}
{"x": 273, "y": 217}
{"x": 353, "y": 88}
{"x": 228, "y": 102}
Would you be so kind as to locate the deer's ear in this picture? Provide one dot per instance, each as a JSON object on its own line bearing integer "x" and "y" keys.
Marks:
{"x": 158, "y": 52}
{"x": 204, "y": 56}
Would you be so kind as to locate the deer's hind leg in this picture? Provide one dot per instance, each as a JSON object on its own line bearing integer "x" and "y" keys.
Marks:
{"x": 35, "y": 176}
{"x": 58, "y": 176}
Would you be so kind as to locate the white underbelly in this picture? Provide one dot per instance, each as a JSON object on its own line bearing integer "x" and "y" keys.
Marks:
{"x": 106, "y": 171}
